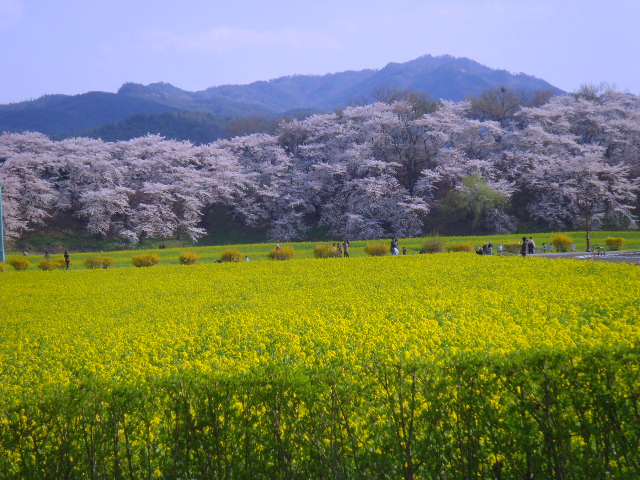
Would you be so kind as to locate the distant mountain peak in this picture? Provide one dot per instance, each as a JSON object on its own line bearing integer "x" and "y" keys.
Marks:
{"x": 442, "y": 77}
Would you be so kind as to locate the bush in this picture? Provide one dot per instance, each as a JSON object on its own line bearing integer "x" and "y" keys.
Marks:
{"x": 20, "y": 264}
{"x": 232, "y": 255}
{"x": 433, "y": 245}
{"x": 615, "y": 243}
{"x": 512, "y": 247}
{"x": 561, "y": 242}
{"x": 325, "y": 251}
{"x": 285, "y": 253}
{"x": 98, "y": 262}
{"x": 145, "y": 260}
{"x": 461, "y": 247}
{"x": 1, "y": 267}
{"x": 48, "y": 264}
{"x": 376, "y": 249}
{"x": 188, "y": 258}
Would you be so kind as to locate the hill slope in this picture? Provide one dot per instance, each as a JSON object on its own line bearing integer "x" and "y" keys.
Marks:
{"x": 63, "y": 114}
{"x": 197, "y": 127}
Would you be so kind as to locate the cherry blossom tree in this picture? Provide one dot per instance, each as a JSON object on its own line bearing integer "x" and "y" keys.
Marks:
{"x": 382, "y": 169}
{"x": 579, "y": 191}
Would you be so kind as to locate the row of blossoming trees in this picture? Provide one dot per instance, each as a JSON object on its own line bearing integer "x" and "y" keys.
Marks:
{"x": 361, "y": 172}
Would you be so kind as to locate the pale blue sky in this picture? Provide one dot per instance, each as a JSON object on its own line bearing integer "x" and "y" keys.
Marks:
{"x": 74, "y": 46}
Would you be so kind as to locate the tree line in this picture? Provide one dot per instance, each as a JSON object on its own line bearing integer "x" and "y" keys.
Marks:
{"x": 399, "y": 167}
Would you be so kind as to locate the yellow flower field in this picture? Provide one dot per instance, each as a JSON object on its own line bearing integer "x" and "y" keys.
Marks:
{"x": 146, "y": 367}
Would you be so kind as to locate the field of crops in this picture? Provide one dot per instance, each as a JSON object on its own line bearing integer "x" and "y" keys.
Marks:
{"x": 422, "y": 366}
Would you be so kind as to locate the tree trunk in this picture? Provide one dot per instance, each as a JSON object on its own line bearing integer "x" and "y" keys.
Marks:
{"x": 588, "y": 225}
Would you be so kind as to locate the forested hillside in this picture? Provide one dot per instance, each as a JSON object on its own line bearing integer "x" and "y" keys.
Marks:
{"x": 399, "y": 168}
{"x": 196, "y": 127}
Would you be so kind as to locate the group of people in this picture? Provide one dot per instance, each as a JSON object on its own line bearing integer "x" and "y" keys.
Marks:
{"x": 544, "y": 247}
{"x": 66, "y": 256}
{"x": 342, "y": 248}
{"x": 529, "y": 247}
{"x": 394, "y": 248}
{"x": 487, "y": 249}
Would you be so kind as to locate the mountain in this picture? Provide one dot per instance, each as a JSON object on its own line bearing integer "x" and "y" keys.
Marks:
{"x": 443, "y": 77}
{"x": 173, "y": 97}
{"x": 136, "y": 107}
{"x": 62, "y": 114}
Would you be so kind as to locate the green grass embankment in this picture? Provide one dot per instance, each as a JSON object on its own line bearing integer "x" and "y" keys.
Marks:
{"x": 259, "y": 251}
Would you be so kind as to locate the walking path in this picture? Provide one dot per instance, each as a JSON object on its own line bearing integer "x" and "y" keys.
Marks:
{"x": 628, "y": 256}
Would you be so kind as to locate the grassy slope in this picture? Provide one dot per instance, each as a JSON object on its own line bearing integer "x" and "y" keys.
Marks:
{"x": 258, "y": 251}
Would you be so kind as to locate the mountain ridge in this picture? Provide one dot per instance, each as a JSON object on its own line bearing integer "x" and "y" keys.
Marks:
{"x": 442, "y": 77}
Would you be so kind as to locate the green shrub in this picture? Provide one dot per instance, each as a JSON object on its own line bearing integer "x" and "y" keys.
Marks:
{"x": 433, "y": 245}
{"x": 20, "y": 264}
{"x": 285, "y": 253}
{"x": 145, "y": 260}
{"x": 188, "y": 258}
{"x": 615, "y": 243}
{"x": 376, "y": 249}
{"x": 461, "y": 247}
{"x": 512, "y": 247}
{"x": 98, "y": 262}
{"x": 232, "y": 255}
{"x": 1, "y": 267}
{"x": 48, "y": 264}
{"x": 561, "y": 242}
{"x": 325, "y": 251}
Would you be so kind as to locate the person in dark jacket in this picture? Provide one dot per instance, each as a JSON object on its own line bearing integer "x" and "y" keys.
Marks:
{"x": 523, "y": 247}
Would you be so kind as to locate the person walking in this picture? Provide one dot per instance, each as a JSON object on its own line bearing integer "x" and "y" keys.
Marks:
{"x": 532, "y": 246}
{"x": 394, "y": 246}
{"x": 490, "y": 248}
{"x": 404, "y": 250}
{"x": 345, "y": 248}
{"x": 67, "y": 259}
{"x": 523, "y": 247}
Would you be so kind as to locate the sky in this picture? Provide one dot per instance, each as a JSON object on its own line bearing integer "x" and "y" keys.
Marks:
{"x": 75, "y": 46}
